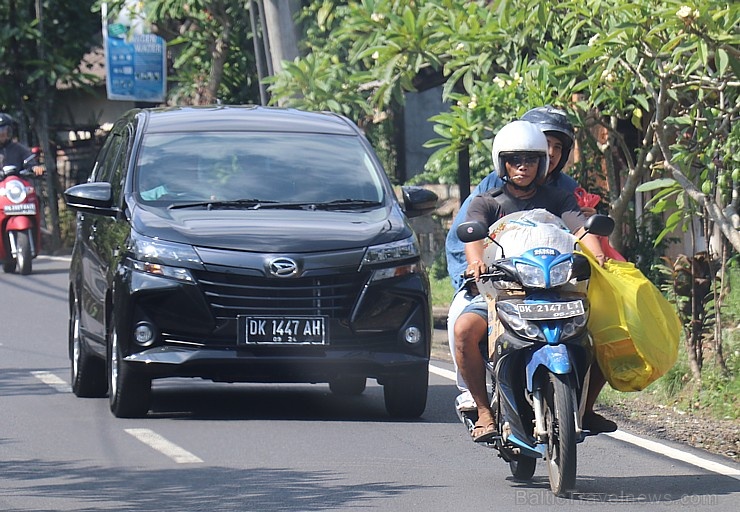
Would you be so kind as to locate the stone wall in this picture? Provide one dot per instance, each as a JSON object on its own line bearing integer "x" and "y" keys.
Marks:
{"x": 432, "y": 229}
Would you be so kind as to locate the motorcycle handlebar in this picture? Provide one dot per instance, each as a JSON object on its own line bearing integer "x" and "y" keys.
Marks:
{"x": 491, "y": 274}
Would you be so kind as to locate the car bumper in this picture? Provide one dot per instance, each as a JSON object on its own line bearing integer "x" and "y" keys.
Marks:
{"x": 240, "y": 365}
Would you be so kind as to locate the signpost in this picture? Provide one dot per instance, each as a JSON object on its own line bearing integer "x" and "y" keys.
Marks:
{"x": 135, "y": 59}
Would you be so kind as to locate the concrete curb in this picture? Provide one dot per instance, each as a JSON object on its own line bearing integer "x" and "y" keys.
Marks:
{"x": 439, "y": 313}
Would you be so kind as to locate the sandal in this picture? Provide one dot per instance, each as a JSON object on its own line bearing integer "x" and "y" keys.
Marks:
{"x": 483, "y": 433}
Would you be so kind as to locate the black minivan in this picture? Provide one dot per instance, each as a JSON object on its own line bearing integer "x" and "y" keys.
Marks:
{"x": 245, "y": 244}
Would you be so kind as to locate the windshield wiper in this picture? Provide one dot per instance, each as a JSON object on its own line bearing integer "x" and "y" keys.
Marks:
{"x": 239, "y": 203}
{"x": 257, "y": 204}
{"x": 347, "y": 203}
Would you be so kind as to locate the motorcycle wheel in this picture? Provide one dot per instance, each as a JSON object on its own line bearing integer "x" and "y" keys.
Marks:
{"x": 129, "y": 393}
{"x": 522, "y": 468}
{"x": 9, "y": 266}
{"x": 24, "y": 259}
{"x": 561, "y": 433}
{"x": 406, "y": 396}
{"x": 87, "y": 373}
{"x": 348, "y": 386}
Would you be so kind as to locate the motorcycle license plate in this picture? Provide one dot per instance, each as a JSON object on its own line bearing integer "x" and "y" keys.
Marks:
{"x": 20, "y": 209}
{"x": 283, "y": 329}
{"x": 550, "y": 310}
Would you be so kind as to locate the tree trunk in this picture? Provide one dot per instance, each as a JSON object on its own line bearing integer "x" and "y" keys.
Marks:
{"x": 42, "y": 131}
{"x": 279, "y": 16}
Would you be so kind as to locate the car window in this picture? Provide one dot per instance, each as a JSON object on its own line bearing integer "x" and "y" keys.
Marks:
{"x": 283, "y": 167}
{"x": 104, "y": 169}
{"x": 111, "y": 141}
{"x": 120, "y": 163}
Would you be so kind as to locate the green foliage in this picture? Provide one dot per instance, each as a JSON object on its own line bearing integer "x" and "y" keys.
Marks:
{"x": 210, "y": 45}
{"x": 640, "y": 248}
{"x": 665, "y": 69}
{"x": 34, "y": 61}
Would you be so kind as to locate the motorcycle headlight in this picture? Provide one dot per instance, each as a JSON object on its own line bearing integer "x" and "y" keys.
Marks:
{"x": 560, "y": 273}
{"x": 530, "y": 276}
{"x": 15, "y": 191}
{"x": 574, "y": 326}
{"x": 167, "y": 259}
{"x": 509, "y": 315}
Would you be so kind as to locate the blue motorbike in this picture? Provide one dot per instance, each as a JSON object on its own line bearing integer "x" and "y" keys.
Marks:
{"x": 539, "y": 354}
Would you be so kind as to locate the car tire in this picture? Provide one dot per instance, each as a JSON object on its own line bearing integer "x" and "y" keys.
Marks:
{"x": 129, "y": 392}
{"x": 87, "y": 372}
{"x": 406, "y": 395}
{"x": 348, "y": 386}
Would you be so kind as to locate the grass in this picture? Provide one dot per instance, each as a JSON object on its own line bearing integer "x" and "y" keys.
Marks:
{"x": 442, "y": 291}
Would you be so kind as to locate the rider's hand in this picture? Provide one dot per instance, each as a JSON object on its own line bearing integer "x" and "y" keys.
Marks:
{"x": 475, "y": 269}
{"x": 588, "y": 211}
{"x": 38, "y": 170}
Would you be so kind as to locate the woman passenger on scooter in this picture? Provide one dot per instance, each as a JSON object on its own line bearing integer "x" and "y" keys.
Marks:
{"x": 520, "y": 157}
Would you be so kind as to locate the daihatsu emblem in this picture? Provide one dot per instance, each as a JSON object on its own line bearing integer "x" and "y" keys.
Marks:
{"x": 283, "y": 267}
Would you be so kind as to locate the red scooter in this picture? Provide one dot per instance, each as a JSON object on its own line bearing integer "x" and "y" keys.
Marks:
{"x": 20, "y": 218}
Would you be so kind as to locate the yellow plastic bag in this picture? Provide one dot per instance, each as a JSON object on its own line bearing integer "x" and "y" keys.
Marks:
{"x": 634, "y": 328}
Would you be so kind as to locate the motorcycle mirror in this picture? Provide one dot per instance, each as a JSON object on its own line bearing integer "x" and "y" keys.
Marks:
{"x": 601, "y": 225}
{"x": 472, "y": 231}
{"x": 36, "y": 150}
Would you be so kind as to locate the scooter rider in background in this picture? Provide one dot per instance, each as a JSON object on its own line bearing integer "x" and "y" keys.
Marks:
{"x": 12, "y": 152}
{"x": 560, "y": 139}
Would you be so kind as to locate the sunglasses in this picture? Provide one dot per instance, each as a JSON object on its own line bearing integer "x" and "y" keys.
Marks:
{"x": 517, "y": 160}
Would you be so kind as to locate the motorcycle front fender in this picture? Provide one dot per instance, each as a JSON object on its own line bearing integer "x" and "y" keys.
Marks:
{"x": 18, "y": 223}
{"x": 553, "y": 357}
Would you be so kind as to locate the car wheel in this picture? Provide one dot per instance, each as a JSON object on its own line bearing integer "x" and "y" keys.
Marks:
{"x": 87, "y": 372}
{"x": 406, "y": 395}
{"x": 129, "y": 393}
{"x": 348, "y": 386}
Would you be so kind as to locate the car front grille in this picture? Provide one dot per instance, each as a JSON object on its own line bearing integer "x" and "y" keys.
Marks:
{"x": 231, "y": 295}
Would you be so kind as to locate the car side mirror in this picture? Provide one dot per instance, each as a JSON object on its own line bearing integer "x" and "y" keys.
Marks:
{"x": 95, "y": 197}
{"x": 418, "y": 201}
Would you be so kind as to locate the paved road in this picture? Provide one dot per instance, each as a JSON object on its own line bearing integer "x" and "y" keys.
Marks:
{"x": 218, "y": 447}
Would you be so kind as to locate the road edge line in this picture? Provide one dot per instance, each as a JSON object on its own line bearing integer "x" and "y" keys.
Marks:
{"x": 647, "y": 444}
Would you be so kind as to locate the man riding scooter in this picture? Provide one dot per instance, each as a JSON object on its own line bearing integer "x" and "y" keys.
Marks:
{"x": 20, "y": 226}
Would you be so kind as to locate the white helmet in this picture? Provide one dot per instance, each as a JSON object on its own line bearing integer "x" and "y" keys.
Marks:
{"x": 520, "y": 137}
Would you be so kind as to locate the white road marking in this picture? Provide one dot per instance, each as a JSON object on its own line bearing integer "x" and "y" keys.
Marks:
{"x": 162, "y": 445}
{"x": 647, "y": 444}
{"x": 673, "y": 453}
{"x": 447, "y": 374}
{"x": 53, "y": 381}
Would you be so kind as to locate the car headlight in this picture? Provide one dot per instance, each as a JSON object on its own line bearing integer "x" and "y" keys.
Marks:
{"x": 390, "y": 252}
{"x": 15, "y": 191}
{"x": 393, "y": 251}
{"x": 161, "y": 258}
{"x": 530, "y": 275}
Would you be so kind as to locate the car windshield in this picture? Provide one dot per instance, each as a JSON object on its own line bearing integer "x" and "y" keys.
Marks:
{"x": 245, "y": 168}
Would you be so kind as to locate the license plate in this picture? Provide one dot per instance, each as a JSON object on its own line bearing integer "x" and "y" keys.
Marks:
{"x": 20, "y": 209}
{"x": 283, "y": 329}
{"x": 550, "y": 310}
